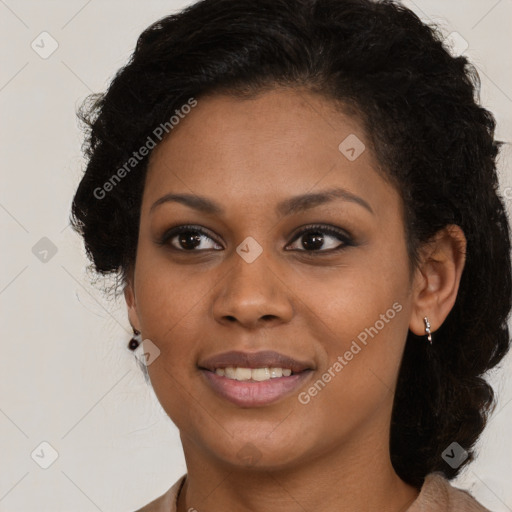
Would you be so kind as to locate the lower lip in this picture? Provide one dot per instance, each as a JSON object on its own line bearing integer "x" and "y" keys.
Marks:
{"x": 255, "y": 394}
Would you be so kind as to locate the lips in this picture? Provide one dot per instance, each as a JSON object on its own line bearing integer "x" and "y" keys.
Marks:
{"x": 251, "y": 393}
{"x": 264, "y": 359}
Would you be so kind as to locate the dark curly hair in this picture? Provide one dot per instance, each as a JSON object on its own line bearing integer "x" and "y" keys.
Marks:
{"x": 434, "y": 142}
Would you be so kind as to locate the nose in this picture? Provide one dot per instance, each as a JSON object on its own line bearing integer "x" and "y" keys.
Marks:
{"x": 253, "y": 295}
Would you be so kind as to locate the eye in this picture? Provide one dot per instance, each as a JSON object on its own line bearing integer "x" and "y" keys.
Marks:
{"x": 188, "y": 239}
{"x": 193, "y": 239}
{"x": 314, "y": 238}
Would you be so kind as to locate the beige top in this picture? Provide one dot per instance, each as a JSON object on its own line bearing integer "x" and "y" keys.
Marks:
{"x": 436, "y": 495}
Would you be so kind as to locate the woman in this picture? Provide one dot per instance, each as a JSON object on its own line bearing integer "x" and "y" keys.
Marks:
{"x": 299, "y": 198}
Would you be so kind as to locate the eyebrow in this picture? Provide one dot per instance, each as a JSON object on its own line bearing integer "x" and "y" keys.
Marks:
{"x": 289, "y": 206}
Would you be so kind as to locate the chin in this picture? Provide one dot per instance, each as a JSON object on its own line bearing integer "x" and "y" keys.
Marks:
{"x": 259, "y": 451}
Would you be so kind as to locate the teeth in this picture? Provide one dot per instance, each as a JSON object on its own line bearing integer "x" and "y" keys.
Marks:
{"x": 260, "y": 374}
{"x": 257, "y": 374}
{"x": 243, "y": 374}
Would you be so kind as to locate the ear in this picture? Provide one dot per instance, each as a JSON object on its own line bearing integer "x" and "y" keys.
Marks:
{"x": 437, "y": 278}
{"x": 129, "y": 296}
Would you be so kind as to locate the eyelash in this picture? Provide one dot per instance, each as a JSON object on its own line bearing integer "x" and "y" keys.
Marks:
{"x": 344, "y": 237}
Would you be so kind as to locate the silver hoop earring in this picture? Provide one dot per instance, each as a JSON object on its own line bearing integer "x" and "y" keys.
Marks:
{"x": 427, "y": 330}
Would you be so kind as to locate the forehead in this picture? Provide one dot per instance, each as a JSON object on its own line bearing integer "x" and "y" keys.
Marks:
{"x": 279, "y": 143}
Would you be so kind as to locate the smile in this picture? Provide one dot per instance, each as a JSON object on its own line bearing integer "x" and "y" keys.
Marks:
{"x": 254, "y": 374}
{"x": 254, "y": 379}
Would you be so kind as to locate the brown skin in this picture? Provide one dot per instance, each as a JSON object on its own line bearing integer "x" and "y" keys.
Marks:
{"x": 248, "y": 155}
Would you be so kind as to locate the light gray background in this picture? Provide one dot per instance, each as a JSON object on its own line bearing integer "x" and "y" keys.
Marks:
{"x": 66, "y": 375}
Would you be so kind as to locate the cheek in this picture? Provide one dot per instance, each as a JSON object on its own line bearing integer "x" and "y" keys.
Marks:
{"x": 367, "y": 326}
{"x": 169, "y": 303}
{"x": 360, "y": 363}
{"x": 166, "y": 293}
{"x": 355, "y": 296}
{"x": 366, "y": 307}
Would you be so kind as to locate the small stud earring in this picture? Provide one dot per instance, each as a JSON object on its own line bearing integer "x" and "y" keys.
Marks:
{"x": 136, "y": 340}
{"x": 427, "y": 330}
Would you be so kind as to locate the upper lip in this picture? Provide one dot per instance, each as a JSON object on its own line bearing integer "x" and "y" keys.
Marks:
{"x": 263, "y": 359}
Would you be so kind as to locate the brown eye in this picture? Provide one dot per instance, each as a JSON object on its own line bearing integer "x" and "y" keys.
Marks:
{"x": 188, "y": 239}
{"x": 314, "y": 238}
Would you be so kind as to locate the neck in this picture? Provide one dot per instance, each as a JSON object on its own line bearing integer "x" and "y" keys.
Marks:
{"x": 360, "y": 478}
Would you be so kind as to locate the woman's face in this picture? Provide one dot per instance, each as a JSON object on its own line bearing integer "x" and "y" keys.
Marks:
{"x": 275, "y": 263}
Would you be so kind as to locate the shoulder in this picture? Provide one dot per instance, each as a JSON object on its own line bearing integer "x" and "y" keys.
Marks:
{"x": 167, "y": 501}
{"x": 437, "y": 494}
